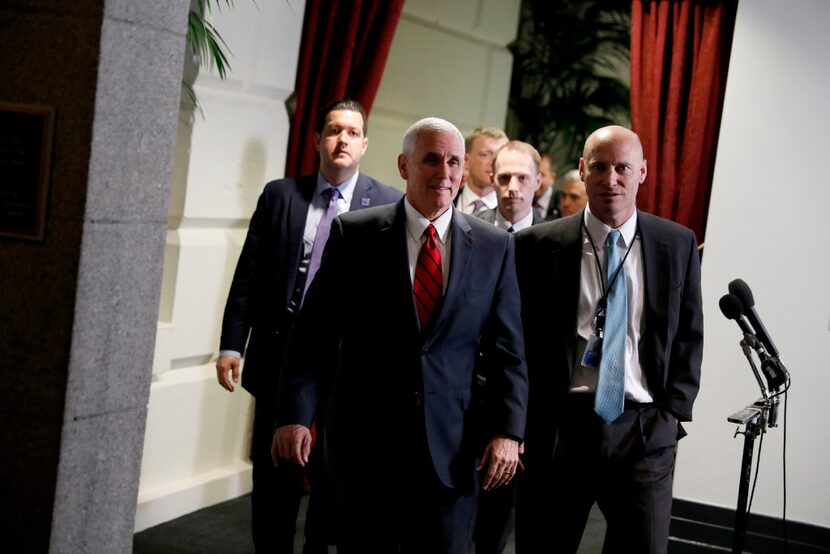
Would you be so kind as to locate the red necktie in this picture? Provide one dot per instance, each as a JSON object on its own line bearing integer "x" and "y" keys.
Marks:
{"x": 429, "y": 279}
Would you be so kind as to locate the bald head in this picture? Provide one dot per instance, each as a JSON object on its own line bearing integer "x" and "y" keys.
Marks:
{"x": 612, "y": 132}
{"x": 612, "y": 168}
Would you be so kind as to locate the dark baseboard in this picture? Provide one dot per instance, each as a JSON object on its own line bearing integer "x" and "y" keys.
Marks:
{"x": 700, "y": 528}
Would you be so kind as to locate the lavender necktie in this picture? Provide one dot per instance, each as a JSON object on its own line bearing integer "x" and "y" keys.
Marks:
{"x": 322, "y": 235}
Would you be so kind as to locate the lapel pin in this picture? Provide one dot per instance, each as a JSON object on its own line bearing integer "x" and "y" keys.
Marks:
{"x": 365, "y": 202}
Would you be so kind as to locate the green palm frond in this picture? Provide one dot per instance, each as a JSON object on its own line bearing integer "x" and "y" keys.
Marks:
{"x": 566, "y": 73}
{"x": 205, "y": 40}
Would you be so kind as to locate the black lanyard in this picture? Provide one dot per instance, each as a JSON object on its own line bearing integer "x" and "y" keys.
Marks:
{"x": 599, "y": 313}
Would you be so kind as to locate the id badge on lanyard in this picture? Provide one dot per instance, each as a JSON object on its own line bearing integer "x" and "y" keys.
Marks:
{"x": 593, "y": 351}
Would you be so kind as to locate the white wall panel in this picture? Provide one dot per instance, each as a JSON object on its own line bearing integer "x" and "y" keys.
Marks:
{"x": 767, "y": 221}
{"x": 196, "y": 444}
{"x": 448, "y": 59}
{"x": 238, "y": 146}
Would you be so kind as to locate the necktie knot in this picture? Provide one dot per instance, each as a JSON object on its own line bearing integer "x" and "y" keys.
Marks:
{"x": 613, "y": 237}
{"x": 478, "y": 205}
{"x": 331, "y": 194}
{"x": 430, "y": 232}
{"x": 612, "y": 258}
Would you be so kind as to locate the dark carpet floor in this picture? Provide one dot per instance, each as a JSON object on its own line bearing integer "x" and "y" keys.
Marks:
{"x": 225, "y": 529}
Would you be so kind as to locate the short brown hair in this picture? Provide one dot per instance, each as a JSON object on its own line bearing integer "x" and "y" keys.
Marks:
{"x": 521, "y": 147}
{"x": 489, "y": 132}
{"x": 343, "y": 104}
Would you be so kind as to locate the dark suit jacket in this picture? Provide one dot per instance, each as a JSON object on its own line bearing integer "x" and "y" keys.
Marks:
{"x": 264, "y": 278}
{"x": 366, "y": 348}
{"x": 490, "y": 216}
{"x": 553, "y": 208}
{"x": 548, "y": 257}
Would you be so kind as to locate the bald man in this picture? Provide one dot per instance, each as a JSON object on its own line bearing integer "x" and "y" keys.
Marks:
{"x": 614, "y": 359}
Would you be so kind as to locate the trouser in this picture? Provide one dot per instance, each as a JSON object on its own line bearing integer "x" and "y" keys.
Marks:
{"x": 277, "y": 491}
{"x": 625, "y": 467}
{"x": 494, "y": 519}
{"x": 399, "y": 504}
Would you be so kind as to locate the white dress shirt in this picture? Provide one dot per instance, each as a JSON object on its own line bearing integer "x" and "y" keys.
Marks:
{"x": 319, "y": 204}
{"x": 316, "y": 208}
{"x": 467, "y": 201}
{"x": 543, "y": 202}
{"x": 584, "y": 379}
{"x": 523, "y": 223}
{"x": 416, "y": 224}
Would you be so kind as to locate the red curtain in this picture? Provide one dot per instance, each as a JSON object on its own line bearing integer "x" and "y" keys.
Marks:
{"x": 679, "y": 60}
{"x": 342, "y": 55}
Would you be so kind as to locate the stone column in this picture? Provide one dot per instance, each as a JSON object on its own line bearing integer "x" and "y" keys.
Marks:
{"x": 80, "y": 306}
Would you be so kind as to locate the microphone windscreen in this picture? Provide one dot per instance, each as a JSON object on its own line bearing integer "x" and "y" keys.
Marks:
{"x": 739, "y": 288}
{"x": 731, "y": 306}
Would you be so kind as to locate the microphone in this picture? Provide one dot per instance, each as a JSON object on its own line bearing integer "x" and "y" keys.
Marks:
{"x": 740, "y": 289}
{"x": 773, "y": 369}
{"x": 732, "y": 308}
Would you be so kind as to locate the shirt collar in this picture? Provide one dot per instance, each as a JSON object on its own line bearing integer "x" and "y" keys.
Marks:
{"x": 346, "y": 188}
{"x": 468, "y": 197}
{"x": 599, "y": 230}
{"x": 417, "y": 223}
{"x": 523, "y": 223}
{"x": 544, "y": 200}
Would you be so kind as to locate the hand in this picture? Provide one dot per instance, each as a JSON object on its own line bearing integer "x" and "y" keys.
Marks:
{"x": 292, "y": 443}
{"x": 501, "y": 457}
{"x": 227, "y": 365}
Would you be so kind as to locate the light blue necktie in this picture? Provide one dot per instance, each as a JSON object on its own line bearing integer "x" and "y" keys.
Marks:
{"x": 611, "y": 385}
{"x": 322, "y": 235}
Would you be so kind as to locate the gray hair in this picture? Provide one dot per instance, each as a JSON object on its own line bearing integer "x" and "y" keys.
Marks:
{"x": 571, "y": 176}
{"x": 428, "y": 125}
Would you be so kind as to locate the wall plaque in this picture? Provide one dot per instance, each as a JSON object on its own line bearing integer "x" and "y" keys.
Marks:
{"x": 25, "y": 153}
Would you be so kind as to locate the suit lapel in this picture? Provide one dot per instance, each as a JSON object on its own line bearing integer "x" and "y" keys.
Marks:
{"x": 395, "y": 240}
{"x": 297, "y": 214}
{"x": 656, "y": 283}
{"x": 462, "y": 249}
{"x": 488, "y": 215}
{"x": 567, "y": 267}
{"x": 363, "y": 196}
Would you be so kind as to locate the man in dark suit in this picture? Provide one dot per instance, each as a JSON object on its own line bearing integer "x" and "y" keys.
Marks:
{"x": 433, "y": 294}
{"x": 614, "y": 358}
{"x": 288, "y": 228}
{"x": 546, "y": 202}
{"x": 516, "y": 177}
{"x": 477, "y": 193}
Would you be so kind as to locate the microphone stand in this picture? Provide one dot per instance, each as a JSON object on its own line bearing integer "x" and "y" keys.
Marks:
{"x": 754, "y": 417}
